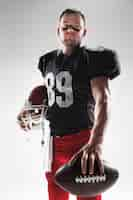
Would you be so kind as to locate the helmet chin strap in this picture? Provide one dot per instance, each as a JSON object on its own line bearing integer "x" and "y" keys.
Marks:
{"x": 43, "y": 114}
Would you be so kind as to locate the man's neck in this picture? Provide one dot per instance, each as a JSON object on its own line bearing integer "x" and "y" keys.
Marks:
{"x": 68, "y": 50}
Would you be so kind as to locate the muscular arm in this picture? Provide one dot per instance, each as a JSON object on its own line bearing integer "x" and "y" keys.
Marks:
{"x": 101, "y": 94}
{"x": 93, "y": 149}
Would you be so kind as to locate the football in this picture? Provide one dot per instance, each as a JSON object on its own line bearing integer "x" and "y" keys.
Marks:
{"x": 70, "y": 179}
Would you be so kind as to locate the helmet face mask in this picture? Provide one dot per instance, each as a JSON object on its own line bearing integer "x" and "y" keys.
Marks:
{"x": 35, "y": 108}
{"x": 34, "y": 115}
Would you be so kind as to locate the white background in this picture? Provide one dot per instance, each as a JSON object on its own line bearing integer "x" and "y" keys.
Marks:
{"x": 27, "y": 30}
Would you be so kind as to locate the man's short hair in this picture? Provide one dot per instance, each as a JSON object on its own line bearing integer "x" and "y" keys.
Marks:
{"x": 70, "y": 11}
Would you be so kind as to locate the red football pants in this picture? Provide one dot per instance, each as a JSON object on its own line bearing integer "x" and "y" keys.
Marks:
{"x": 64, "y": 148}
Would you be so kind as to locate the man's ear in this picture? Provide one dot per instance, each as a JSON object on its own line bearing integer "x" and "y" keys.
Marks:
{"x": 85, "y": 31}
{"x": 58, "y": 31}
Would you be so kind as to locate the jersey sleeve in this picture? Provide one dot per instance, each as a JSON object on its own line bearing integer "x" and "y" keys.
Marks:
{"x": 41, "y": 65}
{"x": 104, "y": 63}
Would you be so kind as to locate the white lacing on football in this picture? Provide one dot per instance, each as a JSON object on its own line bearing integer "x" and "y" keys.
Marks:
{"x": 90, "y": 179}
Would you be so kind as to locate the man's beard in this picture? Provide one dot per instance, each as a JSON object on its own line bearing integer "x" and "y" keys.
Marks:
{"x": 71, "y": 43}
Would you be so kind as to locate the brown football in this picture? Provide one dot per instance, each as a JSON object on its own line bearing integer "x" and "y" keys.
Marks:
{"x": 70, "y": 178}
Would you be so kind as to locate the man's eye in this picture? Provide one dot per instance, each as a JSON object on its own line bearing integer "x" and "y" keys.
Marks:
{"x": 76, "y": 29}
{"x": 65, "y": 28}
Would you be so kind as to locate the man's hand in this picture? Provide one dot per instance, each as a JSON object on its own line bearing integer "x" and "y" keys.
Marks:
{"x": 27, "y": 119}
{"x": 23, "y": 120}
{"x": 91, "y": 153}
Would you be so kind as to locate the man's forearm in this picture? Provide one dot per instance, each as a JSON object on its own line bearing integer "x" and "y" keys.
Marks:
{"x": 101, "y": 119}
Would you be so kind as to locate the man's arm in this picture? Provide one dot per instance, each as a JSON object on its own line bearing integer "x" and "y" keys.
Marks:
{"x": 101, "y": 94}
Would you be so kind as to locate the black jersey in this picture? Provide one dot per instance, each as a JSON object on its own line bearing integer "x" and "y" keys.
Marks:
{"x": 67, "y": 78}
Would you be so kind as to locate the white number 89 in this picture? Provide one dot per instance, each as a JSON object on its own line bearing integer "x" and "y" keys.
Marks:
{"x": 62, "y": 82}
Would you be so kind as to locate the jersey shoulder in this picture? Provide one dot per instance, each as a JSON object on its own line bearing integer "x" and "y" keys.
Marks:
{"x": 103, "y": 62}
{"x": 99, "y": 51}
{"x": 49, "y": 55}
{"x": 45, "y": 58}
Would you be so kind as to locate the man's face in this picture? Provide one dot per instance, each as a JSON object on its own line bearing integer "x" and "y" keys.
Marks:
{"x": 71, "y": 29}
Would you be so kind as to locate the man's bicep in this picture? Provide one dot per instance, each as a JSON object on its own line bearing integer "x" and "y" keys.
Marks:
{"x": 100, "y": 88}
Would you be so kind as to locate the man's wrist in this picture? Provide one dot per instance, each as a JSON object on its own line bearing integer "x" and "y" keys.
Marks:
{"x": 96, "y": 137}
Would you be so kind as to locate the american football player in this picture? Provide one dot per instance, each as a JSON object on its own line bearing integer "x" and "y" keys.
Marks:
{"x": 77, "y": 82}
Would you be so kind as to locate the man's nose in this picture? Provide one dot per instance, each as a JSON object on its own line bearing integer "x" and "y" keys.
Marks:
{"x": 70, "y": 29}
